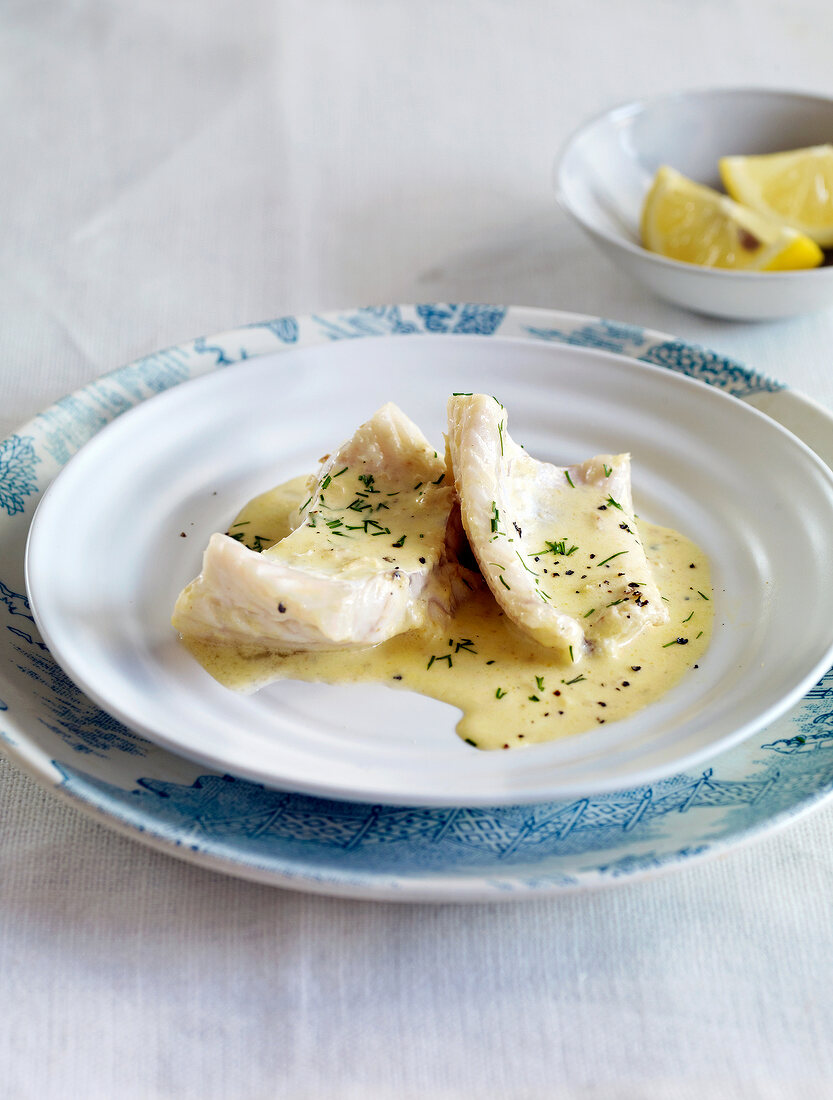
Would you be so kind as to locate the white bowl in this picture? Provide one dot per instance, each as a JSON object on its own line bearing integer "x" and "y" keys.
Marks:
{"x": 605, "y": 169}
{"x": 755, "y": 498}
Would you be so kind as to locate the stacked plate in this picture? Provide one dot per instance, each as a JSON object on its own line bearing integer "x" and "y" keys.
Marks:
{"x": 358, "y": 789}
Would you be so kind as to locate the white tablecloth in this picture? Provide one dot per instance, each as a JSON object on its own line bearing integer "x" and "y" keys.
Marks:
{"x": 176, "y": 168}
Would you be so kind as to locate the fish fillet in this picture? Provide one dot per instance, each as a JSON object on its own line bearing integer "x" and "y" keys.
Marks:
{"x": 558, "y": 546}
{"x": 367, "y": 559}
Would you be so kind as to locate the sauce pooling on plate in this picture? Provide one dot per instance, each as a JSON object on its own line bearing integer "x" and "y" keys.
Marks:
{"x": 512, "y": 691}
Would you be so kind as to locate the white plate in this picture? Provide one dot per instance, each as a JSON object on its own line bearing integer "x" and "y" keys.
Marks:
{"x": 106, "y": 560}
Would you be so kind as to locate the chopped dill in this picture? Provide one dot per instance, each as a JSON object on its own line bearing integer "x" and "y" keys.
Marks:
{"x": 445, "y": 657}
{"x": 612, "y": 556}
{"x": 523, "y": 563}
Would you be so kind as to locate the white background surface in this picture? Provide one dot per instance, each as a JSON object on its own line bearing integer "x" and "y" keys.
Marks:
{"x": 171, "y": 169}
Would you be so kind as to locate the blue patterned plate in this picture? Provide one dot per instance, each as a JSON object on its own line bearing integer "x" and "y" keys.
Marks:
{"x": 70, "y": 745}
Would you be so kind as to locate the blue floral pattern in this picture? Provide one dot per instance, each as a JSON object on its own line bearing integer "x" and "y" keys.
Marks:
{"x": 689, "y": 359}
{"x": 706, "y": 366}
{"x": 49, "y": 724}
{"x": 603, "y": 335}
{"x": 285, "y": 328}
{"x": 475, "y": 320}
{"x": 18, "y": 480}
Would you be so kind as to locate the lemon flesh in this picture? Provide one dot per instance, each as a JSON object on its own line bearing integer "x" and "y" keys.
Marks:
{"x": 795, "y": 187}
{"x": 687, "y": 221}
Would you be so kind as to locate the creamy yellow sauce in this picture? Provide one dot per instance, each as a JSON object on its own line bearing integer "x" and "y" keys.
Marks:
{"x": 511, "y": 690}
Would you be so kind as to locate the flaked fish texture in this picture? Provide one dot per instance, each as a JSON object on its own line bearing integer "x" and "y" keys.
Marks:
{"x": 558, "y": 546}
{"x": 367, "y": 559}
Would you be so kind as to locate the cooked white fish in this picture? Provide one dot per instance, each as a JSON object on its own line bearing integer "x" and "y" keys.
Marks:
{"x": 367, "y": 559}
{"x": 558, "y": 546}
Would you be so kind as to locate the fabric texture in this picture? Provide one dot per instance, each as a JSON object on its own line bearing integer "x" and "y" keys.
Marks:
{"x": 177, "y": 169}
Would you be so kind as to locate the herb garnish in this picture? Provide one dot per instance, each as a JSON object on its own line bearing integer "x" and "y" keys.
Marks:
{"x": 445, "y": 657}
{"x": 523, "y": 563}
{"x": 557, "y": 547}
{"x": 612, "y": 556}
{"x": 367, "y": 481}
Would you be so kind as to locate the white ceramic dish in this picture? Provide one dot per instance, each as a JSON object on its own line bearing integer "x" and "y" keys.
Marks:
{"x": 606, "y": 167}
{"x": 106, "y": 558}
{"x": 83, "y": 755}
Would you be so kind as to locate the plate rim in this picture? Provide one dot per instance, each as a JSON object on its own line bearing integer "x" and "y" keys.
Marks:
{"x": 583, "y": 330}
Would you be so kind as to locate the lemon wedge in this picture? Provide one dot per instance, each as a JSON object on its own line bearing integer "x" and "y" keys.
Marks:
{"x": 794, "y": 187}
{"x": 687, "y": 221}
